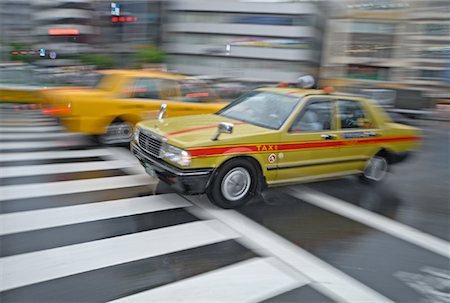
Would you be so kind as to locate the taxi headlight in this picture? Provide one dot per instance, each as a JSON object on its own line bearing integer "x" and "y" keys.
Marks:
{"x": 175, "y": 155}
{"x": 136, "y": 134}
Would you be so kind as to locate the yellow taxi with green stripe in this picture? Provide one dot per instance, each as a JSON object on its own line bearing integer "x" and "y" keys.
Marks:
{"x": 271, "y": 137}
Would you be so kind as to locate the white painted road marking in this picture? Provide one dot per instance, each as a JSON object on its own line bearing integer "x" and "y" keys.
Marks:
{"x": 29, "y": 268}
{"x": 37, "y": 144}
{"x": 373, "y": 220}
{"x": 252, "y": 280}
{"x": 46, "y": 218}
{"x": 28, "y": 129}
{"x": 325, "y": 278}
{"x": 63, "y": 154}
{"x": 48, "y": 169}
{"x": 30, "y": 136}
{"x": 74, "y": 186}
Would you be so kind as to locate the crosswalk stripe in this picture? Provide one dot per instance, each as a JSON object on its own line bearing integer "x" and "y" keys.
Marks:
{"x": 100, "y": 152}
{"x": 46, "y": 218}
{"x": 329, "y": 280}
{"x": 28, "y": 119}
{"x": 47, "y": 169}
{"x": 35, "y": 190}
{"x": 21, "y": 137}
{"x": 252, "y": 280}
{"x": 374, "y": 220}
{"x": 26, "y": 123}
{"x": 27, "y": 129}
{"x": 4, "y": 146}
{"x": 35, "y": 267}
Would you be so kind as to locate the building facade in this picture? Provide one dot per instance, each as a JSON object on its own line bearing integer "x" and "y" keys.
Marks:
{"x": 255, "y": 41}
{"x": 388, "y": 43}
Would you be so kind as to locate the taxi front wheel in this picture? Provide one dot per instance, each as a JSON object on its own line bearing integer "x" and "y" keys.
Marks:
{"x": 234, "y": 185}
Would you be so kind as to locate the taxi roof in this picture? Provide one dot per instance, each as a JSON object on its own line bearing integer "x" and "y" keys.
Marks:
{"x": 293, "y": 91}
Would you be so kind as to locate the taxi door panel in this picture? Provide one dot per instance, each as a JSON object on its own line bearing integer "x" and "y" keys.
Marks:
{"x": 310, "y": 147}
{"x": 356, "y": 131}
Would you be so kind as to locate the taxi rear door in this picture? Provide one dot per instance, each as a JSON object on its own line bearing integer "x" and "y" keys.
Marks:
{"x": 358, "y": 132}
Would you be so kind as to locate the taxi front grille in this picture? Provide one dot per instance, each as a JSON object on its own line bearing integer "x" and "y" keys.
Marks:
{"x": 150, "y": 143}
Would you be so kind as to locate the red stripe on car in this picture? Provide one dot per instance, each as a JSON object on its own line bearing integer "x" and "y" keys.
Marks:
{"x": 232, "y": 149}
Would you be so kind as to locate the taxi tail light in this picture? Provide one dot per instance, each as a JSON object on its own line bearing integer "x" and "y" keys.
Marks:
{"x": 195, "y": 95}
{"x": 56, "y": 111}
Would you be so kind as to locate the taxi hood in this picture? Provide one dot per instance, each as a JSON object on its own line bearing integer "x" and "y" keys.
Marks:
{"x": 197, "y": 130}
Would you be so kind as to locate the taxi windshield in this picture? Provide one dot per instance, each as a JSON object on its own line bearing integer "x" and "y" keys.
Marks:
{"x": 261, "y": 108}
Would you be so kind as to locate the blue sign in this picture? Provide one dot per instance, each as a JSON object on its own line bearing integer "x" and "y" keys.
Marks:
{"x": 115, "y": 9}
{"x": 52, "y": 55}
{"x": 42, "y": 52}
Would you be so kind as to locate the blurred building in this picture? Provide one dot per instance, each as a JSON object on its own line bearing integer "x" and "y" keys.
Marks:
{"x": 427, "y": 44}
{"x": 64, "y": 26}
{"x": 15, "y": 23}
{"x": 249, "y": 40}
{"x": 138, "y": 22}
{"x": 388, "y": 43}
{"x": 73, "y": 27}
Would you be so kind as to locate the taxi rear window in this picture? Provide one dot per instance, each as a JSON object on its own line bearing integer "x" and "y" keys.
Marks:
{"x": 196, "y": 92}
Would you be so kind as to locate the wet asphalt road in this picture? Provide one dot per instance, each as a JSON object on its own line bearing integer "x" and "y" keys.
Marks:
{"x": 384, "y": 258}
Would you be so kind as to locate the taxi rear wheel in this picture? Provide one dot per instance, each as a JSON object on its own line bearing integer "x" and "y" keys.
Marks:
{"x": 234, "y": 185}
{"x": 376, "y": 169}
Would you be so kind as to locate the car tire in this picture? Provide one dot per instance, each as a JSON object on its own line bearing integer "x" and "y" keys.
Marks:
{"x": 118, "y": 132}
{"x": 376, "y": 169}
{"x": 235, "y": 184}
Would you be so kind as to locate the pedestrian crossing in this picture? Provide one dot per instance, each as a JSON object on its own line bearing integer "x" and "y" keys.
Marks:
{"x": 82, "y": 224}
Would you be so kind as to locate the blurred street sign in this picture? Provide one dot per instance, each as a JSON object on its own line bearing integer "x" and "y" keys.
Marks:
{"x": 42, "y": 52}
{"x": 52, "y": 55}
{"x": 115, "y": 9}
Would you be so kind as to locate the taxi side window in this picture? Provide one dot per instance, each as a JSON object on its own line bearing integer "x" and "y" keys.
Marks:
{"x": 315, "y": 117}
{"x": 352, "y": 115}
{"x": 145, "y": 89}
{"x": 168, "y": 89}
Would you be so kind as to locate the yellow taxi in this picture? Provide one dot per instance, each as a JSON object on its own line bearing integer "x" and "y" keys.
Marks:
{"x": 271, "y": 137}
{"x": 122, "y": 98}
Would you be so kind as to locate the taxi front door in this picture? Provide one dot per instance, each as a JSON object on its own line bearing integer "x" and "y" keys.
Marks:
{"x": 309, "y": 148}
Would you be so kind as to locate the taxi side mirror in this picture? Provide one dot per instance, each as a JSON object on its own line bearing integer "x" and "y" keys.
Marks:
{"x": 223, "y": 128}
{"x": 162, "y": 111}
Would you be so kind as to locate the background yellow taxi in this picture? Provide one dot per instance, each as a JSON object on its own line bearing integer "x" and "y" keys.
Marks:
{"x": 122, "y": 98}
{"x": 271, "y": 137}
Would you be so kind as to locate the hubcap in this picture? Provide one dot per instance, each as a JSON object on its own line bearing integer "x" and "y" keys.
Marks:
{"x": 118, "y": 133}
{"x": 376, "y": 169}
{"x": 236, "y": 184}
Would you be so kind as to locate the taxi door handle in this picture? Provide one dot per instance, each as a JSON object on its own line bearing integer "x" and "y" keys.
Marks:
{"x": 371, "y": 134}
{"x": 328, "y": 136}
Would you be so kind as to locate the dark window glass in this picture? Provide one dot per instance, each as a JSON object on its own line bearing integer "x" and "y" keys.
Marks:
{"x": 352, "y": 115}
{"x": 145, "y": 88}
{"x": 316, "y": 117}
{"x": 168, "y": 89}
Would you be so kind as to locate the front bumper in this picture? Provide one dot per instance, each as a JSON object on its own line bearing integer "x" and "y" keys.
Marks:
{"x": 186, "y": 181}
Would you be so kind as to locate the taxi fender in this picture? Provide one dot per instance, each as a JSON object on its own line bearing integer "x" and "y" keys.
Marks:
{"x": 256, "y": 160}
